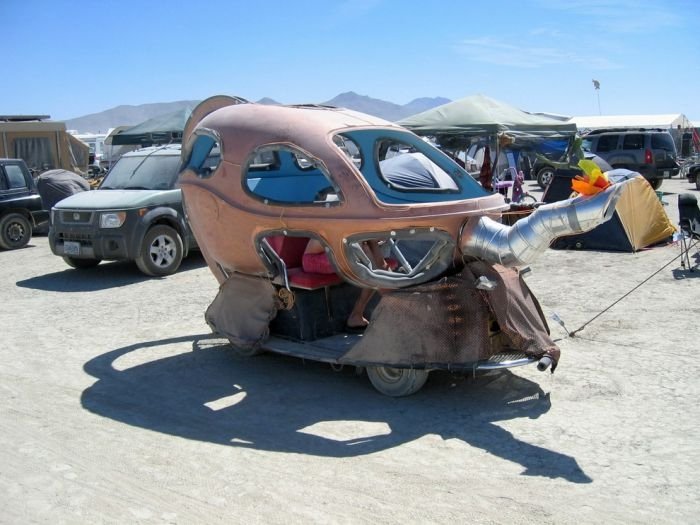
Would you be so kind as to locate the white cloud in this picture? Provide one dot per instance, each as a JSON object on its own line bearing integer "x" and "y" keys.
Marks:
{"x": 499, "y": 52}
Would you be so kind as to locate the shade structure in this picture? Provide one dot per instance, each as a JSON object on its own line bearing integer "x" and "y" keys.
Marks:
{"x": 164, "y": 129}
{"x": 482, "y": 115}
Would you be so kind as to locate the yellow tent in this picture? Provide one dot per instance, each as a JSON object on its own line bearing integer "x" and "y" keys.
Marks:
{"x": 639, "y": 221}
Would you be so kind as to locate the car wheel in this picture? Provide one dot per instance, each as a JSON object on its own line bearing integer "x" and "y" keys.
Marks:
{"x": 244, "y": 352}
{"x": 544, "y": 177}
{"x": 697, "y": 183}
{"x": 75, "y": 262}
{"x": 15, "y": 231}
{"x": 656, "y": 183}
{"x": 396, "y": 382}
{"x": 161, "y": 251}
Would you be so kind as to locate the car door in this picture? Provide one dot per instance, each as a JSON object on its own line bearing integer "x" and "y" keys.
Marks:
{"x": 14, "y": 182}
{"x": 3, "y": 184}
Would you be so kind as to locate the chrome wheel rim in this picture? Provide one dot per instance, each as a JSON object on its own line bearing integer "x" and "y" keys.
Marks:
{"x": 162, "y": 251}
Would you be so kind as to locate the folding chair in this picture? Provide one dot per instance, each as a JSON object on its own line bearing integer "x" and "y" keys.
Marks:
{"x": 689, "y": 224}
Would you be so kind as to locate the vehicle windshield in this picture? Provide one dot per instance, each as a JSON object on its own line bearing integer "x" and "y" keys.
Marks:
{"x": 151, "y": 172}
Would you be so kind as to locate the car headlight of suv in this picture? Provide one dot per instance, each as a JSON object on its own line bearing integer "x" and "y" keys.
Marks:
{"x": 112, "y": 219}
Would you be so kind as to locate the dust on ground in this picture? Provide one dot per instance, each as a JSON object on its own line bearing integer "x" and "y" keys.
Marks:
{"x": 118, "y": 406}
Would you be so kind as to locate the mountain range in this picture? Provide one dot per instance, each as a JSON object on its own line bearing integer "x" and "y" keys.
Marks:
{"x": 132, "y": 115}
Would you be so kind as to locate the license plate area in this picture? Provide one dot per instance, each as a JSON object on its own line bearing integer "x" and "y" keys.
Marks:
{"x": 71, "y": 248}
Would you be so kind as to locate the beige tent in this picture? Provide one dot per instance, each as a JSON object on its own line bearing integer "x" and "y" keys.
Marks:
{"x": 43, "y": 145}
{"x": 639, "y": 221}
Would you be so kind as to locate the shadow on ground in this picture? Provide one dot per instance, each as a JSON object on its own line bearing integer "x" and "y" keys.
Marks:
{"x": 104, "y": 276}
{"x": 270, "y": 402}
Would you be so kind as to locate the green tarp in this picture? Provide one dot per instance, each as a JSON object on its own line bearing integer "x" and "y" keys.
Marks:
{"x": 164, "y": 129}
{"x": 481, "y": 115}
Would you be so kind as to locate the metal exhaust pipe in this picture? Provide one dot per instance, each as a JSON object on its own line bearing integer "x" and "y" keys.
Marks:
{"x": 520, "y": 244}
{"x": 544, "y": 363}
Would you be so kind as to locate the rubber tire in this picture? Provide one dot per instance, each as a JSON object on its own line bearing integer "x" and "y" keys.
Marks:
{"x": 169, "y": 242}
{"x": 656, "y": 183}
{"x": 244, "y": 352}
{"x": 528, "y": 199}
{"x": 15, "y": 231}
{"x": 80, "y": 264}
{"x": 545, "y": 176}
{"x": 697, "y": 182}
{"x": 397, "y": 382}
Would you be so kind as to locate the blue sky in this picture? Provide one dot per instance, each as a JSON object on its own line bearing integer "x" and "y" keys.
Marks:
{"x": 73, "y": 58}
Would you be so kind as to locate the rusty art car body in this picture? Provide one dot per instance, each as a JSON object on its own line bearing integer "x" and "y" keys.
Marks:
{"x": 454, "y": 297}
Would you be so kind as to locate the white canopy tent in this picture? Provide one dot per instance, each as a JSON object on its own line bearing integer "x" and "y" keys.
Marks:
{"x": 664, "y": 121}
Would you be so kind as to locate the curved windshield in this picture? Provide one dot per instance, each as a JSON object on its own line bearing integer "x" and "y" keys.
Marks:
{"x": 400, "y": 167}
{"x": 151, "y": 172}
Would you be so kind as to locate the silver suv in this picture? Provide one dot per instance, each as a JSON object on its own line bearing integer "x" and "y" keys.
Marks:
{"x": 135, "y": 215}
{"x": 649, "y": 152}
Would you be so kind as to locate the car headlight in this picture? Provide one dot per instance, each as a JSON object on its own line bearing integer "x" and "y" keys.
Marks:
{"x": 113, "y": 219}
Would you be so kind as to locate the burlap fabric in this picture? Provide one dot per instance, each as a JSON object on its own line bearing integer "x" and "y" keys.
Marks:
{"x": 242, "y": 310}
{"x": 452, "y": 323}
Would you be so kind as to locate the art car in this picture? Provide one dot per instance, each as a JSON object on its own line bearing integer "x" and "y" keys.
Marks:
{"x": 386, "y": 212}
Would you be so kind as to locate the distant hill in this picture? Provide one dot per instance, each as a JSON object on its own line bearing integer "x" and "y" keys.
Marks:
{"x": 125, "y": 116}
{"x": 132, "y": 115}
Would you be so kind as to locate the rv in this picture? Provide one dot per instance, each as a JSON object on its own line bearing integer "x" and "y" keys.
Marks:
{"x": 96, "y": 143}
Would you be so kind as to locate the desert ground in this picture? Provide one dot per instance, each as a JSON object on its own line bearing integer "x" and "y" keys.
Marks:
{"x": 119, "y": 406}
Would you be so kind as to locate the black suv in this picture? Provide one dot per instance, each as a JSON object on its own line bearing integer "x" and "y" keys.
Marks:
{"x": 20, "y": 204}
{"x": 649, "y": 152}
{"x": 691, "y": 170}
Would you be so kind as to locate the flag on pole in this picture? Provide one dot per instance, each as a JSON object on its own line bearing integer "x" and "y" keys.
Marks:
{"x": 596, "y": 84}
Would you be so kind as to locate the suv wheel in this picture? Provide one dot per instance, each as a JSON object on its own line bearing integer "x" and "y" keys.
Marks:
{"x": 161, "y": 251}
{"x": 545, "y": 176}
{"x": 74, "y": 262}
{"x": 15, "y": 231}
{"x": 656, "y": 183}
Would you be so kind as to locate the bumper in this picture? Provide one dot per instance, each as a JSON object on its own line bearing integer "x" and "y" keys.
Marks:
{"x": 89, "y": 242}
{"x": 653, "y": 172}
{"x": 91, "y": 246}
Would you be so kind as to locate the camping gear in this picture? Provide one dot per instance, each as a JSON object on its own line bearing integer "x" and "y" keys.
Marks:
{"x": 482, "y": 115}
{"x": 639, "y": 221}
{"x": 455, "y": 124}
{"x": 485, "y": 171}
{"x": 689, "y": 223}
{"x": 42, "y": 144}
{"x": 56, "y": 185}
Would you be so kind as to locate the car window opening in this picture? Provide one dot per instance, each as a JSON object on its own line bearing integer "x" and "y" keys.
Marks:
{"x": 402, "y": 168}
{"x": 281, "y": 174}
